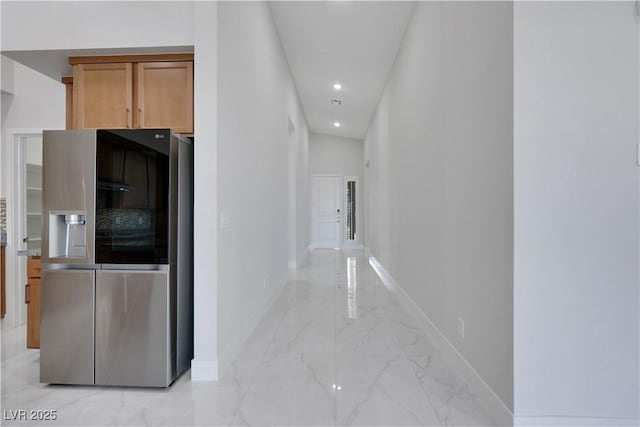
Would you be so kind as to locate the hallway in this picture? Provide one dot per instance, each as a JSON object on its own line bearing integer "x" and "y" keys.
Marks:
{"x": 336, "y": 348}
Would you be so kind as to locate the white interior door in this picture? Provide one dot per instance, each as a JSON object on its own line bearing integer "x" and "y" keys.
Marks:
{"x": 326, "y": 211}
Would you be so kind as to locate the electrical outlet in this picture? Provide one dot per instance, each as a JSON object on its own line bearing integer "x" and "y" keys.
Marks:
{"x": 118, "y": 221}
{"x": 461, "y": 327}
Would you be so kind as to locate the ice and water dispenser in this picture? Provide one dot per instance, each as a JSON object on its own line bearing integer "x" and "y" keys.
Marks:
{"x": 67, "y": 234}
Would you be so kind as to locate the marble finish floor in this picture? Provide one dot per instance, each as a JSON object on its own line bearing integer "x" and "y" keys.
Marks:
{"x": 336, "y": 348}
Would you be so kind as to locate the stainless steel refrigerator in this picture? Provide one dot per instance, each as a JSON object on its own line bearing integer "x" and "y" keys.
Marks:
{"x": 117, "y": 257}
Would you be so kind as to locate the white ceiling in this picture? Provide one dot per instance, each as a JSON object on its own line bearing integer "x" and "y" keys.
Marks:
{"x": 55, "y": 63}
{"x": 350, "y": 42}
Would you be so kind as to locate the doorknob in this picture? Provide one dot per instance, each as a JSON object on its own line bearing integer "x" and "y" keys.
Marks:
{"x": 25, "y": 240}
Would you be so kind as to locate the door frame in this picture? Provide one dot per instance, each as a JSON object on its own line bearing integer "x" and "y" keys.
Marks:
{"x": 11, "y": 181}
{"x": 313, "y": 207}
{"x": 357, "y": 243}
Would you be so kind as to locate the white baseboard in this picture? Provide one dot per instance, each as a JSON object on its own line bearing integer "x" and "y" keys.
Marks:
{"x": 483, "y": 392}
{"x": 231, "y": 351}
{"x": 301, "y": 258}
{"x": 204, "y": 370}
{"x": 574, "y": 422}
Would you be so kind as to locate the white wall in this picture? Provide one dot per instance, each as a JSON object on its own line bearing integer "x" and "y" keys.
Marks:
{"x": 30, "y": 102}
{"x": 576, "y": 212}
{"x": 334, "y": 155}
{"x": 256, "y": 98}
{"x": 299, "y": 194}
{"x": 37, "y": 102}
{"x": 6, "y": 75}
{"x": 206, "y": 262}
{"x": 440, "y": 183}
{"x": 303, "y": 195}
{"x": 95, "y": 24}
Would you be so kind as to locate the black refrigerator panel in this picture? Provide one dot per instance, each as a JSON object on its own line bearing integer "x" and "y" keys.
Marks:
{"x": 132, "y": 197}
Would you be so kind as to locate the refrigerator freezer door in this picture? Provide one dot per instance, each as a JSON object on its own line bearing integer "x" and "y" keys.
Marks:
{"x": 132, "y": 328}
{"x": 66, "y": 328}
{"x": 68, "y": 196}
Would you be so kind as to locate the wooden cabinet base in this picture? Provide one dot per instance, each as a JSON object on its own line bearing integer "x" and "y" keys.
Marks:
{"x": 32, "y": 299}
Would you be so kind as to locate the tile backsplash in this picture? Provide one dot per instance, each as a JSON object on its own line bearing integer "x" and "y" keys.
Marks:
{"x": 3, "y": 214}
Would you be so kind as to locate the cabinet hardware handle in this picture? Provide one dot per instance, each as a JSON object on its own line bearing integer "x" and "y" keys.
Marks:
{"x": 27, "y": 288}
{"x": 140, "y": 117}
{"x": 128, "y": 116}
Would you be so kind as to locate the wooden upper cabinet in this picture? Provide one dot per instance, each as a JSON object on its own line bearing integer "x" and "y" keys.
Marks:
{"x": 165, "y": 95}
{"x": 103, "y": 95}
{"x": 68, "y": 87}
{"x": 139, "y": 91}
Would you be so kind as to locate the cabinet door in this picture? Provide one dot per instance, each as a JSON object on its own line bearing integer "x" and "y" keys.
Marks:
{"x": 34, "y": 267}
{"x": 165, "y": 95}
{"x": 103, "y": 95}
{"x": 32, "y": 298}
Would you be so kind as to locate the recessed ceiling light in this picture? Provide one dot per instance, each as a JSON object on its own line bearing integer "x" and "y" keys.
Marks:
{"x": 337, "y": 124}
{"x": 337, "y": 86}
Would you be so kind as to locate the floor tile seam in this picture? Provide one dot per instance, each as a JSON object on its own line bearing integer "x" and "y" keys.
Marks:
{"x": 420, "y": 383}
{"x": 401, "y": 405}
{"x": 410, "y": 363}
{"x": 277, "y": 329}
{"x": 406, "y": 357}
{"x": 374, "y": 383}
{"x": 336, "y": 315}
{"x": 245, "y": 392}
